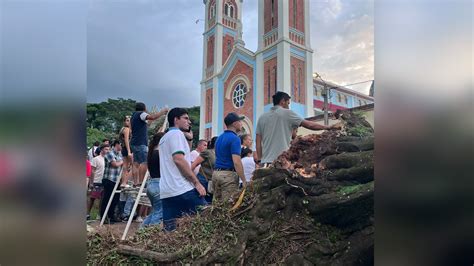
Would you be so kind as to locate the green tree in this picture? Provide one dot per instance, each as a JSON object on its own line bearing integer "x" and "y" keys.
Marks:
{"x": 105, "y": 119}
{"x": 108, "y": 116}
{"x": 194, "y": 115}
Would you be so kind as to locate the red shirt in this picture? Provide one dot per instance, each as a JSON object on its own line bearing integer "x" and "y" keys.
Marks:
{"x": 88, "y": 168}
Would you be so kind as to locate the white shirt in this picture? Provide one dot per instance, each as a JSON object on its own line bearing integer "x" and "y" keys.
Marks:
{"x": 172, "y": 183}
{"x": 98, "y": 164}
{"x": 249, "y": 166}
{"x": 194, "y": 155}
{"x": 90, "y": 154}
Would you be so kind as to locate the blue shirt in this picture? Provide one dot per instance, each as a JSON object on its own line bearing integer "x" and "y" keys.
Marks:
{"x": 227, "y": 144}
{"x": 139, "y": 129}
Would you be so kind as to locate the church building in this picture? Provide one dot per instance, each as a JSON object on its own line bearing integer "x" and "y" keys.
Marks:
{"x": 235, "y": 79}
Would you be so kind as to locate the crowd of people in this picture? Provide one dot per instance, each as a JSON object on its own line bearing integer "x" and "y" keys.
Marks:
{"x": 182, "y": 181}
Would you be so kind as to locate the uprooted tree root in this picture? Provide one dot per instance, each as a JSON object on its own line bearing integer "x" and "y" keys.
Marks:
{"x": 315, "y": 206}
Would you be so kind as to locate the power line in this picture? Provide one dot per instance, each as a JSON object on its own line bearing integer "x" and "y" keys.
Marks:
{"x": 358, "y": 83}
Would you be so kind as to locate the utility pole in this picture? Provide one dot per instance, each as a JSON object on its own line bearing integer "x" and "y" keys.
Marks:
{"x": 325, "y": 94}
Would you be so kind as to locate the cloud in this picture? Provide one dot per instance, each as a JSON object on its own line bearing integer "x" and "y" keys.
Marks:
{"x": 344, "y": 45}
{"x": 151, "y": 50}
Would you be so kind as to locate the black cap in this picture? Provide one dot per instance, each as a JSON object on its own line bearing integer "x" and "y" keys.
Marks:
{"x": 231, "y": 118}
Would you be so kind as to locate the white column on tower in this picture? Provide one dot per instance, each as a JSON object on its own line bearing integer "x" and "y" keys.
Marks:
{"x": 309, "y": 62}
{"x": 260, "y": 25}
{"x": 202, "y": 109}
{"x": 283, "y": 50}
{"x": 309, "y": 84}
{"x": 258, "y": 109}
{"x": 307, "y": 27}
{"x": 202, "y": 112}
{"x": 215, "y": 105}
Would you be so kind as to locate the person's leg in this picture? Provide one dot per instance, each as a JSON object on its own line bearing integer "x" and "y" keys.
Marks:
{"x": 136, "y": 163}
{"x": 113, "y": 205}
{"x": 171, "y": 211}
{"x": 125, "y": 173}
{"x": 216, "y": 177}
{"x": 107, "y": 193}
{"x": 90, "y": 203}
{"x": 153, "y": 193}
{"x": 192, "y": 201}
{"x": 128, "y": 206}
{"x": 229, "y": 185}
{"x": 141, "y": 213}
{"x": 141, "y": 172}
{"x": 140, "y": 157}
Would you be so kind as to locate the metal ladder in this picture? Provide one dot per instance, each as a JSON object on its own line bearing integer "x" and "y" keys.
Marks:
{"x": 139, "y": 195}
{"x": 135, "y": 204}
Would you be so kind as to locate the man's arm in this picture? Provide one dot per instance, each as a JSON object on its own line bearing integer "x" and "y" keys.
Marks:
{"x": 197, "y": 162}
{"x": 258, "y": 146}
{"x": 313, "y": 125}
{"x": 116, "y": 164}
{"x": 157, "y": 115}
{"x": 239, "y": 168}
{"x": 186, "y": 171}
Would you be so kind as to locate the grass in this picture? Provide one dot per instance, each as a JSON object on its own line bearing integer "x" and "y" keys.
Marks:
{"x": 351, "y": 189}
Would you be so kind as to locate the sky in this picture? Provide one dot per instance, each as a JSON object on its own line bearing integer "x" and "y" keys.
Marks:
{"x": 151, "y": 50}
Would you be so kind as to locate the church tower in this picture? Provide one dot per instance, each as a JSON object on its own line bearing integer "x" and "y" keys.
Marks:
{"x": 223, "y": 30}
{"x": 235, "y": 79}
{"x": 284, "y": 56}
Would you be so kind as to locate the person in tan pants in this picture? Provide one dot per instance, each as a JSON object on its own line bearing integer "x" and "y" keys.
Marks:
{"x": 228, "y": 167}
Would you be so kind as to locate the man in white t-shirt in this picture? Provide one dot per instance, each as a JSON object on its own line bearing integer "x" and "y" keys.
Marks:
{"x": 95, "y": 181}
{"x": 201, "y": 146}
{"x": 248, "y": 164}
{"x": 180, "y": 190}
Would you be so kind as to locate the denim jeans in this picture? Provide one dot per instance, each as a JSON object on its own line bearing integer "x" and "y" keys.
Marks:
{"x": 205, "y": 184}
{"x": 127, "y": 209}
{"x": 153, "y": 193}
{"x": 139, "y": 153}
{"x": 177, "y": 206}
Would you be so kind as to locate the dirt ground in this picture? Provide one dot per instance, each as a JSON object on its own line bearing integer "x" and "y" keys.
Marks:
{"x": 115, "y": 229}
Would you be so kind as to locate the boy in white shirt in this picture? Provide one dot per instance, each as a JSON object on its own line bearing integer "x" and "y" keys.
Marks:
{"x": 95, "y": 181}
{"x": 180, "y": 190}
{"x": 248, "y": 163}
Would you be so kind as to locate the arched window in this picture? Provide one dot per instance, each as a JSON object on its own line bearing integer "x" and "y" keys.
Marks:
{"x": 346, "y": 100}
{"x": 360, "y": 103}
{"x": 268, "y": 86}
{"x": 339, "y": 97}
{"x": 299, "y": 83}
{"x": 226, "y": 9}
{"x": 273, "y": 12}
{"x": 239, "y": 95}
{"x": 231, "y": 8}
{"x": 212, "y": 11}
{"x": 294, "y": 13}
